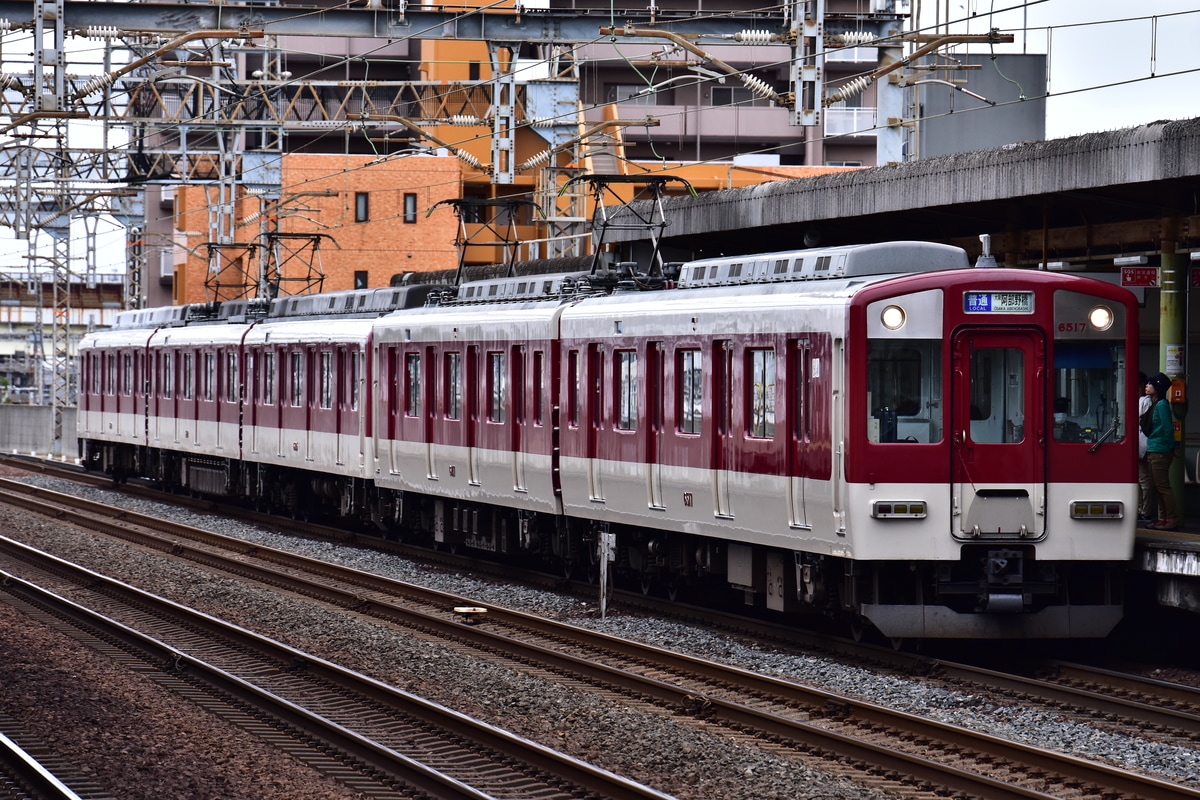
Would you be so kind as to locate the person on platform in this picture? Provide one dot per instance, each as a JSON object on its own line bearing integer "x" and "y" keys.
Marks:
{"x": 1160, "y": 451}
{"x": 1146, "y": 502}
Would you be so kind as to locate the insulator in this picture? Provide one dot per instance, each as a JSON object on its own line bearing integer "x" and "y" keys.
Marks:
{"x": 96, "y": 84}
{"x": 537, "y": 160}
{"x": 253, "y": 218}
{"x": 546, "y": 122}
{"x": 102, "y": 32}
{"x": 758, "y": 86}
{"x": 7, "y": 81}
{"x": 465, "y": 120}
{"x": 755, "y": 37}
{"x": 5, "y": 25}
{"x": 853, "y": 38}
{"x": 468, "y": 159}
{"x": 851, "y": 89}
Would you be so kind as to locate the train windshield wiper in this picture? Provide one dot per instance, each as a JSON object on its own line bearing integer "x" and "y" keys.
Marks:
{"x": 1108, "y": 433}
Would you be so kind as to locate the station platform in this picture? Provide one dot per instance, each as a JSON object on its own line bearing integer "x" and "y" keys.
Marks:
{"x": 1172, "y": 560}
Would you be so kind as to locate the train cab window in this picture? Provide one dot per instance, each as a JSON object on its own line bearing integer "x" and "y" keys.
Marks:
{"x": 297, "y": 379}
{"x": 497, "y": 387}
{"x": 904, "y": 390}
{"x": 1088, "y": 393}
{"x": 231, "y": 377}
{"x": 269, "y": 379}
{"x": 326, "y": 398}
{"x": 689, "y": 399}
{"x": 627, "y": 390}
{"x": 453, "y": 386}
{"x": 761, "y": 385}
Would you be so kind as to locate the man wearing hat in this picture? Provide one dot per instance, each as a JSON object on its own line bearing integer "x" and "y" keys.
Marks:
{"x": 1160, "y": 451}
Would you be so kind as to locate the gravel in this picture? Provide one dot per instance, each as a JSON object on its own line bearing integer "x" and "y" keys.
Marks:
{"x": 672, "y": 754}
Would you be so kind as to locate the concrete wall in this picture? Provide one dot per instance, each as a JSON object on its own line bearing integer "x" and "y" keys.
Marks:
{"x": 30, "y": 429}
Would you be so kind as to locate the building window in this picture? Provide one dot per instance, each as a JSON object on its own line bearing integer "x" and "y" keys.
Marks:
{"x": 689, "y": 391}
{"x": 639, "y": 95}
{"x": 627, "y": 390}
{"x": 734, "y": 96}
{"x": 410, "y": 208}
{"x": 761, "y": 384}
{"x": 497, "y": 387}
{"x": 360, "y": 279}
{"x": 362, "y": 207}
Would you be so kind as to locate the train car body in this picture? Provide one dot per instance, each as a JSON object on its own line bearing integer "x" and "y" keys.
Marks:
{"x": 877, "y": 432}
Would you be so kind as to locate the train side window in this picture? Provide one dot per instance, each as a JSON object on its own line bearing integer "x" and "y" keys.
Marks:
{"x": 354, "y": 359}
{"x": 627, "y": 390}
{"x": 761, "y": 385}
{"x": 497, "y": 387}
{"x": 453, "y": 387}
{"x": 574, "y": 387}
{"x": 412, "y": 382}
{"x": 269, "y": 379}
{"x": 689, "y": 391}
{"x": 297, "y": 379}
{"x": 127, "y": 375}
{"x": 326, "y": 369}
{"x": 189, "y": 376}
{"x": 231, "y": 377}
{"x": 903, "y": 391}
{"x": 539, "y": 386}
{"x": 110, "y": 371}
{"x": 167, "y": 376}
{"x": 209, "y": 378}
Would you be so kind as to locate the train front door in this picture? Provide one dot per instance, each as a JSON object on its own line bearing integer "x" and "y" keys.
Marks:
{"x": 999, "y": 424}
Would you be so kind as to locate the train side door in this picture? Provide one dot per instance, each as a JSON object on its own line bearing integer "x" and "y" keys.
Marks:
{"x": 799, "y": 409}
{"x": 999, "y": 429}
{"x": 655, "y": 376}
{"x": 595, "y": 419}
{"x": 724, "y": 438}
{"x": 518, "y": 416}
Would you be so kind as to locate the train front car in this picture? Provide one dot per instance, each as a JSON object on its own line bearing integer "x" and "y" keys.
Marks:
{"x": 990, "y": 454}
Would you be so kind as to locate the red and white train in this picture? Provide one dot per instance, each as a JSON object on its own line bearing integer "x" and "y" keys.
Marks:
{"x": 865, "y": 431}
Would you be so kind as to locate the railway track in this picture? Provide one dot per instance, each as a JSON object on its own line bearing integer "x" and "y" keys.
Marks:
{"x": 916, "y": 752}
{"x": 372, "y": 737}
{"x": 23, "y": 776}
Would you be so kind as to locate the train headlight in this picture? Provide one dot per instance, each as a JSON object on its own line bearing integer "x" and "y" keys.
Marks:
{"x": 1101, "y": 318}
{"x": 1100, "y": 509}
{"x": 899, "y": 509}
{"x": 893, "y": 318}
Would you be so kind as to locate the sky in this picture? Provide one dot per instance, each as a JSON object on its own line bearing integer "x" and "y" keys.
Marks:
{"x": 1112, "y": 65}
{"x": 1130, "y": 48}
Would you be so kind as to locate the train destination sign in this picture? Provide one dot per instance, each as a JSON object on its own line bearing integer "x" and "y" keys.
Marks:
{"x": 999, "y": 302}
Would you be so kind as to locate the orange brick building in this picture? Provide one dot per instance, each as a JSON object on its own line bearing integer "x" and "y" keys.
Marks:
{"x": 371, "y": 220}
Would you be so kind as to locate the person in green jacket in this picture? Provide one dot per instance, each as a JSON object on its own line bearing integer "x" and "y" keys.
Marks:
{"x": 1160, "y": 450}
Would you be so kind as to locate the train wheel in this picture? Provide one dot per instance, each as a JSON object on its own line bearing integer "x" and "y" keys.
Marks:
{"x": 647, "y": 583}
{"x": 673, "y": 587}
{"x": 859, "y": 628}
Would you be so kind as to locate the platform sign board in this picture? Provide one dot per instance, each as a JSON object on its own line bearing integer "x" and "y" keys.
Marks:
{"x": 1145, "y": 277}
